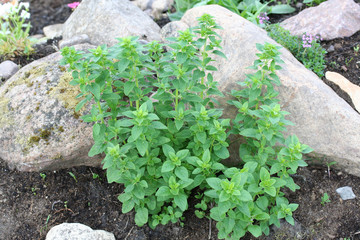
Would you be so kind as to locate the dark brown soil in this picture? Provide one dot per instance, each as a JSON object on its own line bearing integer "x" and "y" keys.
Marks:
{"x": 31, "y": 205}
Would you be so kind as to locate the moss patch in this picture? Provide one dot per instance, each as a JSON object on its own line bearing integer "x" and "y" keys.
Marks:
{"x": 5, "y": 118}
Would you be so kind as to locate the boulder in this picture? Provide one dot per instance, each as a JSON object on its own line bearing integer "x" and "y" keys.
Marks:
{"x": 155, "y": 8}
{"x": 351, "y": 89}
{"x": 7, "y": 69}
{"x": 105, "y": 20}
{"x": 39, "y": 129}
{"x": 324, "y": 121}
{"x": 53, "y": 31}
{"x": 77, "y": 231}
{"x": 331, "y": 19}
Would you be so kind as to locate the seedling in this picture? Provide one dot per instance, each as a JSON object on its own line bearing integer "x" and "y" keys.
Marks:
{"x": 33, "y": 190}
{"x": 348, "y": 61}
{"x": 356, "y": 49}
{"x": 73, "y": 176}
{"x": 46, "y": 224}
{"x": 43, "y": 176}
{"x": 329, "y": 165}
{"x": 65, "y": 205}
{"x": 325, "y": 199}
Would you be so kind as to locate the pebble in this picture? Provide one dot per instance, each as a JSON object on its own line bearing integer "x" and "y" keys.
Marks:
{"x": 337, "y": 46}
{"x": 7, "y": 69}
{"x": 346, "y": 193}
{"x": 331, "y": 49}
{"x": 344, "y": 68}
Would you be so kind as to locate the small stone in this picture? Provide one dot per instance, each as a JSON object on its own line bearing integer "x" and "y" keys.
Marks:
{"x": 331, "y": 49}
{"x": 337, "y": 46}
{"x": 77, "y": 231}
{"x": 344, "y": 68}
{"x": 7, "y": 69}
{"x": 346, "y": 193}
{"x": 299, "y": 5}
{"x": 53, "y": 31}
{"x": 78, "y": 39}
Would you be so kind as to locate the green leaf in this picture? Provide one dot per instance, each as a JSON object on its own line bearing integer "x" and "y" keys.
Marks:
{"x": 181, "y": 201}
{"x": 215, "y": 183}
{"x": 127, "y": 206}
{"x": 142, "y": 146}
{"x": 255, "y": 230}
{"x": 167, "y": 149}
{"x": 163, "y": 191}
{"x": 141, "y": 216}
{"x": 249, "y": 132}
{"x": 271, "y": 191}
{"x": 206, "y": 156}
{"x": 128, "y": 87}
{"x": 245, "y": 196}
{"x": 219, "y": 53}
{"x": 290, "y": 220}
{"x": 80, "y": 104}
{"x": 282, "y": 9}
{"x": 264, "y": 174}
{"x": 97, "y": 148}
{"x": 201, "y": 136}
{"x": 182, "y": 154}
{"x": 167, "y": 166}
{"x": 262, "y": 202}
{"x": 182, "y": 173}
{"x": 94, "y": 88}
{"x": 136, "y": 131}
{"x": 158, "y": 125}
{"x": 222, "y": 153}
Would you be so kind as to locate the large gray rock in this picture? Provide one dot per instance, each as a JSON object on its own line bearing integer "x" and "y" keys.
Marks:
{"x": 105, "y": 20}
{"x": 77, "y": 231}
{"x": 39, "y": 128}
{"x": 155, "y": 8}
{"x": 323, "y": 120}
{"x": 331, "y": 19}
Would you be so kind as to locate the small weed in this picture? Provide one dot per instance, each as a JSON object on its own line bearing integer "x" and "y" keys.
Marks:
{"x": 356, "y": 49}
{"x": 348, "y": 61}
{"x": 334, "y": 64}
{"x": 46, "y": 224}
{"x": 325, "y": 199}
{"x": 73, "y": 176}
{"x": 329, "y": 165}
{"x": 33, "y": 190}
{"x": 43, "y": 176}
{"x": 65, "y": 205}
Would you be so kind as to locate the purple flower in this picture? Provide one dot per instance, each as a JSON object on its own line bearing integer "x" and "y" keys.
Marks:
{"x": 263, "y": 18}
{"x": 73, "y": 5}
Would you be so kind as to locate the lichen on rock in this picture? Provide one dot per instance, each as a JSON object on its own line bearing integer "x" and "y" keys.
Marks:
{"x": 65, "y": 92}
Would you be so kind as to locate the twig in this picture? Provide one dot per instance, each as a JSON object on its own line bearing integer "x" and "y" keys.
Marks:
{"x": 64, "y": 209}
{"x": 129, "y": 233}
{"x": 209, "y": 228}
{"x": 58, "y": 201}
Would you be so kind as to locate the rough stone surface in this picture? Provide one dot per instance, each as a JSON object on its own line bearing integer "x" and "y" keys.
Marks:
{"x": 53, "y": 31}
{"x": 323, "y": 120}
{"x": 39, "y": 128}
{"x": 7, "y": 69}
{"x": 155, "y": 8}
{"x": 79, "y": 39}
{"x": 77, "y": 231}
{"x": 105, "y": 20}
{"x": 172, "y": 29}
{"x": 331, "y": 19}
{"x": 351, "y": 89}
{"x": 346, "y": 193}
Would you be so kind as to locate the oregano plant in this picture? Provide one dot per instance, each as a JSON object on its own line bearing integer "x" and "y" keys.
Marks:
{"x": 155, "y": 119}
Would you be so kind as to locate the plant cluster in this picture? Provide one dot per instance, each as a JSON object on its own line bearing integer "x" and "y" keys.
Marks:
{"x": 154, "y": 117}
{"x": 14, "y": 30}
{"x": 306, "y": 49}
{"x": 249, "y": 9}
{"x": 312, "y": 3}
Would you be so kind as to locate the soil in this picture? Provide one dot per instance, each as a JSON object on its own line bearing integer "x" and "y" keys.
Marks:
{"x": 30, "y": 204}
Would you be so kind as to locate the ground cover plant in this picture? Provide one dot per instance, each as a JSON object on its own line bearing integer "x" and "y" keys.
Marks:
{"x": 306, "y": 49}
{"x": 14, "y": 30}
{"x": 156, "y": 121}
{"x": 249, "y": 9}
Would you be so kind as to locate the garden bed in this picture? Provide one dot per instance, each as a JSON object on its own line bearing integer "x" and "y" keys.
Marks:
{"x": 30, "y": 203}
